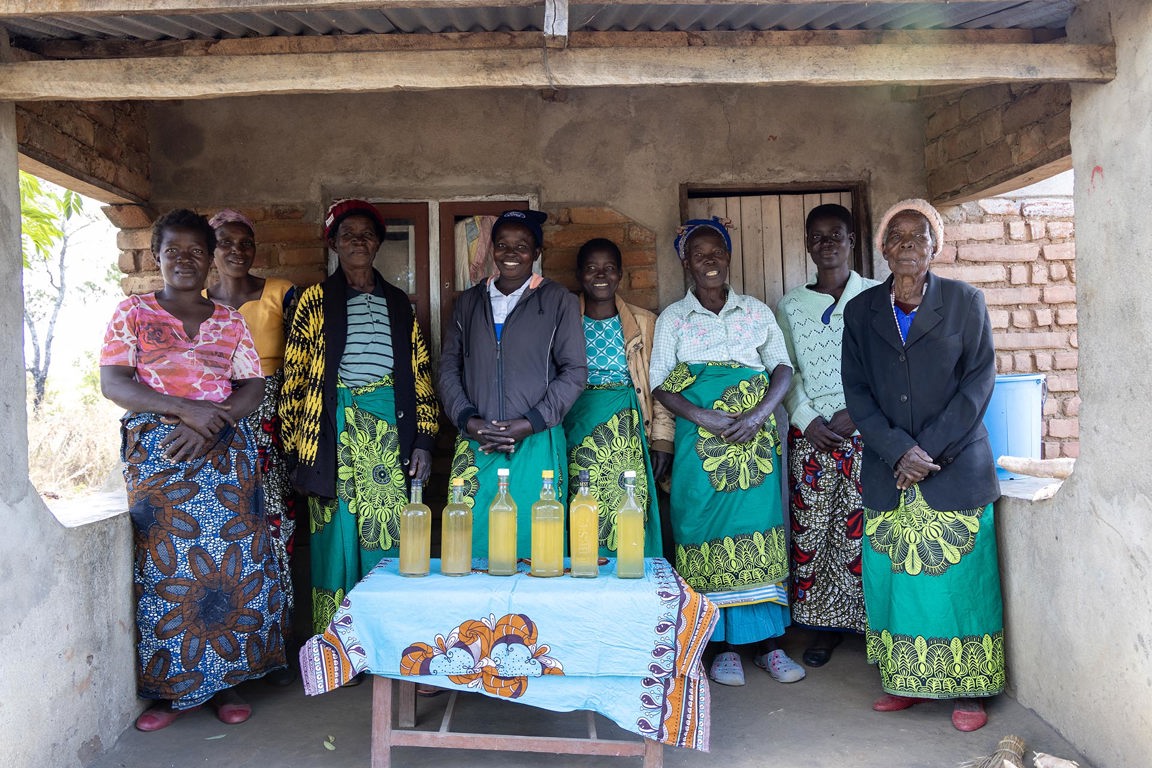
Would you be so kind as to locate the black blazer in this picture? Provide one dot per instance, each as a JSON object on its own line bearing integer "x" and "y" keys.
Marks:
{"x": 930, "y": 392}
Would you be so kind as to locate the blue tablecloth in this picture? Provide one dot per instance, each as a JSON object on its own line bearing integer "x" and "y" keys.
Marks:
{"x": 626, "y": 648}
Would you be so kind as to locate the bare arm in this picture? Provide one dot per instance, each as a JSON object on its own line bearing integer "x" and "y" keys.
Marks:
{"x": 746, "y": 425}
{"x": 118, "y": 383}
{"x": 713, "y": 421}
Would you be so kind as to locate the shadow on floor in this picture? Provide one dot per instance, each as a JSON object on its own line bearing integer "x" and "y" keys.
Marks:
{"x": 823, "y": 721}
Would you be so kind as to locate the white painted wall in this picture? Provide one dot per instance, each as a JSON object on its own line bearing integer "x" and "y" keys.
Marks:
{"x": 1077, "y": 569}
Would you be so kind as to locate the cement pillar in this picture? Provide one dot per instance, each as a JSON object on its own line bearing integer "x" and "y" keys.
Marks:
{"x": 67, "y": 680}
{"x": 1077, "y": 568}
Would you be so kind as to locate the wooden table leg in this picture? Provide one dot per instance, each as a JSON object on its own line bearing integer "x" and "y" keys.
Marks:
{"x": 653, "y": 754}
{"x": 381, "y": 722}
{"x": 407, "y": 706}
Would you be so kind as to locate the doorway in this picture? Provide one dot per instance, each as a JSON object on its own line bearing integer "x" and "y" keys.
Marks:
{"x": 768, "y": 254}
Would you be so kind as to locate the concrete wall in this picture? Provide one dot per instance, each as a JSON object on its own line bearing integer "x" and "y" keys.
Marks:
{"x": 67, "y": 680}
{"x": 1077, "y": 568}
{"x": 626, "y": 149}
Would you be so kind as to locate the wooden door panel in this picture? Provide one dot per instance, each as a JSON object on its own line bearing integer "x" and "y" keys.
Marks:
{"x": 769, "y": 257}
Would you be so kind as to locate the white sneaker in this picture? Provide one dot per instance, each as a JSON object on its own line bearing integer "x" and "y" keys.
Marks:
{"x": 782, "y": 668}
{"x": 726, "y": 669}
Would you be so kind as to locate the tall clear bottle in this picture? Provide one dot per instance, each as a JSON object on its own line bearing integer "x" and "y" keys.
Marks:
{"x": 415, "y": 533}
{"x": 584, "y": 531}
{"x": 547, "y": 530}
{"x": 630, "y": 532}
{"x": 456, "y": 534}
{"x": 502, "y": 529}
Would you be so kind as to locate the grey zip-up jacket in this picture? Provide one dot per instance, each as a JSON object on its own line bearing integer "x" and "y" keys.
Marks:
{"x": 537, "y": 369}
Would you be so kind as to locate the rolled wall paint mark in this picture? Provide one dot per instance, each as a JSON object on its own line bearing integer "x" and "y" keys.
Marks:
{"x": 1097, "y": 169}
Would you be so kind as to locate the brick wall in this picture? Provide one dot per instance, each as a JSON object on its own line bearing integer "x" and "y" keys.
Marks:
{"x": 102, "y": 145}
{"x": 288, "y": 244}
{"x": 992, "y": 139}
{"x": 1022, "y": 254}
{"x": 569, "y": 228}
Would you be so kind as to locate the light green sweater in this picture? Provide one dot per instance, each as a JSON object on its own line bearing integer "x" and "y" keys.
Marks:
{"x": 813, "y": 331}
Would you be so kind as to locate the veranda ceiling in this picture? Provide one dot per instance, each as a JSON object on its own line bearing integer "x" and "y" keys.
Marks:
{"x": 183, "y": 21}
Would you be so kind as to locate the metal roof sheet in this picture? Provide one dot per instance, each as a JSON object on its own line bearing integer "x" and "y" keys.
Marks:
{"x": 1019, "y": 14}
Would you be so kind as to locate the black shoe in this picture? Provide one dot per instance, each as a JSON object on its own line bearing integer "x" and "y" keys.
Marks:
{"x": 818, "y": 655}
{"x": 280, "y": 677}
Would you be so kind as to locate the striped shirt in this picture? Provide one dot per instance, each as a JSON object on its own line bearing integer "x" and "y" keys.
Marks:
{"x": 368, "y": 347}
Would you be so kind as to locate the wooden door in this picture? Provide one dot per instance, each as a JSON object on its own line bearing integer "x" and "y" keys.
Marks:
{"x": 403, "y": 257}
{"x": 768, "y": 254}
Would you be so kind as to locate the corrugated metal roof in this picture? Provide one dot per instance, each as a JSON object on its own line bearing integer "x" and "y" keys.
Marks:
{"x": 1018, "y": 14}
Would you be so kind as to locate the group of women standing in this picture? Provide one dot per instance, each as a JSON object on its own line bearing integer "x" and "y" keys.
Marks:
{"x": 886, "y": 444}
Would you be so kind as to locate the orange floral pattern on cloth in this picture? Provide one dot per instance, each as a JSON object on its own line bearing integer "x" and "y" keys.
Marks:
{"x": 499, "y": 655}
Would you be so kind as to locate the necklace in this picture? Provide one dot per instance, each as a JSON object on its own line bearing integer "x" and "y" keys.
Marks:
{"x": 910, "y": 315}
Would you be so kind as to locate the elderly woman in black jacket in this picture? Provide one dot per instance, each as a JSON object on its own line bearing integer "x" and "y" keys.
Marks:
{"x": 918, "y": 369}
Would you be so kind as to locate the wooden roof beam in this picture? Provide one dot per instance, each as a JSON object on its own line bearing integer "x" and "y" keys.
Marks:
{"x": 248, "y": 46}
{"x": 556, "y": 23}
{"x": 32, "y": 8}
{"x": 207, "y": 77}
{"x": 62, "y": 8}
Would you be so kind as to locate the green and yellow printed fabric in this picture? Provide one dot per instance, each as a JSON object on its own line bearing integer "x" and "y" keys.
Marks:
{"x": 727, "y": 518}
{"x": 932, "y": 600}
{"x": 535, "y": 453}
{"x": 351, "y": 533}
{"x": 605, "y": 433}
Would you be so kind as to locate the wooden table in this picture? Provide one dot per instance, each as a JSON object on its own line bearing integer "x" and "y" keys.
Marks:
{"x": 387, "y": 707}
{"x": 626, "y": 649}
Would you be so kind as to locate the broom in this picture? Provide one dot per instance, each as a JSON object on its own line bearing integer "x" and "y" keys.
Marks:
{"x": 1009, "y": 754}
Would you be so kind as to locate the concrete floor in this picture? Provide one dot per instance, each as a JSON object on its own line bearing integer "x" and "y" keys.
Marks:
{"x": 822, "y": 721}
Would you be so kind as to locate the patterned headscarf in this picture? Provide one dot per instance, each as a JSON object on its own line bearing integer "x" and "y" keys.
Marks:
{"x": 231, "y": 216}
{"x": 690, "y": 227}
{"x": 921, "y": 206}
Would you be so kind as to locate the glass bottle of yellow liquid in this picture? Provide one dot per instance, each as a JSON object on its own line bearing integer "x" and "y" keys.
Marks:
{"x": 456, "y": 534}
{"x": 630, "y": 533}
{"x": 584, "y": 531}
{"x": 415, "y": 533}
{"x": 502, "y": 529}
{"x": 547, "y": 530}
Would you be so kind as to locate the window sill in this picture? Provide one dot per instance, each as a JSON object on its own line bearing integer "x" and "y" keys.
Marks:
{"x": 1030, "y": 488}
{"x": 92, "y": 508}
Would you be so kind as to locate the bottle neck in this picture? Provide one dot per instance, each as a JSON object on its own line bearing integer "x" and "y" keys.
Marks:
{"x": 630, "y": 489}
{"x": 457, "y": 494}
{"x": 502, "y": 486}
{"x": 584, "y": 487}
{"x": 417, "y": 494}
{"x": 548, "y": 490}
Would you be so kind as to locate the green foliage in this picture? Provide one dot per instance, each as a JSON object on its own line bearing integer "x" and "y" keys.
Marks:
{"x": 43, "y": 213}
